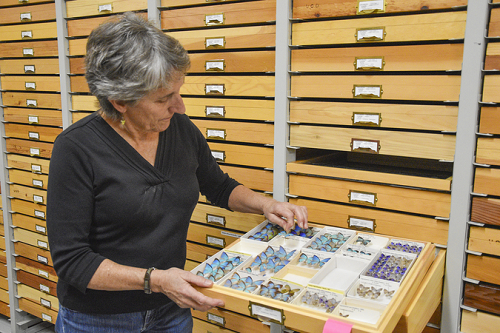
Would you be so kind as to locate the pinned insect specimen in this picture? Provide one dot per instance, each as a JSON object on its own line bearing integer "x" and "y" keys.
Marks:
{"x": 219, "y": 267}
{"x": 270, "y": 261}
{"x": 405, "y": 247}
{"x": 388, "y": 267}
{"x": 278, "y": 291}
{"x": 313, "y": 261}
{"x": 246, "y": 284}
{"x": 368, "y": 292}
{"x": 271, "y": 230}
{"x": 320, "y": 301}
{"x": 362, "y": 241}
{"x": 328, "y": 242}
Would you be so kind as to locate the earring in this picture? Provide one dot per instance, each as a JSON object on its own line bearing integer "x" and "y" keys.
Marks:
{"x": 122, "y": 121}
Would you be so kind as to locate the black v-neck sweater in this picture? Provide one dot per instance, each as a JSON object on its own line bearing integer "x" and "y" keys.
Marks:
{"x": 106, "y": 201}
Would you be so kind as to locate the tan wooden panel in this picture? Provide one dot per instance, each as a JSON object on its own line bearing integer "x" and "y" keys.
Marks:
{"x": 486, "y": 210}
{"x": 37, "y": 282}
{"x": 488, "y": 151}
{"x": 45, "y": 100}
{"x": 31, "y": 238}
{"x": 243, "y": 62}
{"x": 42, "y": 12}
{"x": 234, "y": 38}
{"x": 4, "y": 284}
{"x": 28, "y": 31}
{"x": 38, "y": 310}
{"x": 79, "y": 84}
{"x": 259, "y": 86}
{"x": 28, "y": 178}
{"x": 85, "y": 103}
{"x": 35, "y": 83}
{"x": 33, "y": 116}
{"x": 6, "y": 3}
{"x": 2, "y": 242}
{"x": 29, "y": 66}
{"x": 415, "y": 87}
{"x": 395, "y": 58}
{"x": 77, "y": 65}
{"x": 484, "y": 240}
{"x": 221, "y": 217}
{"x": 5, "y": 309}
{"x": 32, "y": 132}
{"x": 198, "y": 252}
{"x": 251, "y": 109}
{"x": 410, "y": 144}
{"x": 487, "y": 181}
{"x": 419, "y": 27}
{"x": 483, "y": 268}
{"x": 83, "y": 27}
{"x": 408, "y": 116}
{"x": 29, "y": 223}
{"x": 77, "y": 47}
{"x": 261, "y": 180}
{"x": 492, "y": 59}
{"x": 80, "y": 8}
{"x": 37, "y": 296}
{"x": 37, "y": 268}
{"x": 190, "y": 265}
{"x": 177, "y": 3}
{"x": 237, "y": 131}
{"x": 262, "y": 157}
{"x": 490, "y": 88}
{"x": 494, "y": 24}
{"x": 4, "y": 296}
{"x": 304, "y": 9}
{"x": 211, "y": 236}
{"x": 28, "y": 208}
{"x": 232, "y": 321}
{"x": 30, "y": 148}
{"x": 482, "y": 296}
{"x": 79, "y": 115}
{"x": 32, "y": 164}
{"x": 251, "y": 12}
{"x": 489, "y": 122}
{"x": 28, "y": 194}
{"x": 203, "y": 326}
{"x": 28, "y": 49}
{"x": 479, "y": 322}
{"x": 33, "y": 253}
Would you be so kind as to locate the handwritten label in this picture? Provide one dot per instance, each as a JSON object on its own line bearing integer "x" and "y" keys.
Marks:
{"x": 28, "y": 52}
{"x": 218, "y": 42}
{"x": 215, "y": 65}
{"x": 34, "y": 151}
{"x": 215, "y": 111}
{"x": 362, "y": 197}
{"x": 26, "y": 34}
{"x": 229, "y": 234}
{"x": 33, "y": 135}
{"x": 219, "y": 155}
{"x": 214, "y": 19}
{"x": 39, "y": 214}
{"x": 29, "y": 69}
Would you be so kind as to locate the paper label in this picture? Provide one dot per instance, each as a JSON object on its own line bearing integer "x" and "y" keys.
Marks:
{"x": 368, "y": 146}
{"x": 266, "y": 312}
{"x": 37, "y": 198}
{"x": 42, "y": 259}
{"x": 40, "y": 229}
{"x": 45, "y": 303}
{"x": 214, "y": 219}
{"x": 27, "y": 34}
{"x": 34, "y": 135}
{"x": 25, "y": 16}
{"x": 214, "y": 66}
{"x": 214, "y": 42}
{"x": 371, "y": 63}
{"x": 30, "y": 85}
{"x": 211, "y": 240}
{"x": 43, "y": 273}
{"x": 39, "y": 214}
{"x": 229, "y": 234}
{"x": 29, "y": 69}
{"x": 367, "y": 91}
{"x": 44, "y": 288}
{"x": 105, "y": 8}
{"x": 370, "y": 34}
{"x": 214, "y": 19}
{"x": 36, "y": 168}
{"x": 46, "y": 317}
{"x": 216, "y": 134}
{"x": 370, "y": 5}
{"x": 216, "y": 319}
{"x": 42, "y": 244}
{"x": 219, "y": 155}
{"x": 361, "y": 223}
{"x": 37, "y": 182}
{"x": 217, "y": 89}
{"x": 363, "y": 197}
{"x": 35, "y": 151}
{"x": 31, "y": 102}
{"x": 215, "y": 111}
{"x": 28, "y": 52}
{"x": 33, "y": 119}
{"x": 365, "y": 119}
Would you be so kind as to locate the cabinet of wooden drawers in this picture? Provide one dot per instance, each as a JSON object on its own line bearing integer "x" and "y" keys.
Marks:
{"x": 28, "y": 31}
{"x": 262, "y": 133}
{"x": 81, "y": 8}
{"x": 231, "y": 62}
{"x": 212, "y": 236}
{"x": 29, "y": 208}
{"x": 230, "y": 320}
{"x": 485, "y": 210}
{"x": 30, "y": 148}
{"x": 261, "y": 157}
{"x": 32, "y": 83}
{"x": 41, "y": 12}
{"x": 32, "y": 100}
{"x": 29, "y": 66}
{"x": 28, "y": 49}
{"x": 33, "y": 116}
{"x": 252, "y": 86}
{"x": 251, "y": 109}
{"x": 221, "y": 217}
{"x": 32, "y": 132}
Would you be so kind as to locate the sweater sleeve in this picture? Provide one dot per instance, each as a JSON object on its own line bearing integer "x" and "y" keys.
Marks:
{"x": 70, "y": 203}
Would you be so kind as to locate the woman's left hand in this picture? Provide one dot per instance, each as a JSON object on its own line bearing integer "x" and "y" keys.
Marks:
{"x": 286, "y": 214}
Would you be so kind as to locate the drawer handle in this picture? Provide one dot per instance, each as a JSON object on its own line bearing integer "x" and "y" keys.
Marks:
{"x": 215, "y": 219}
{"x": 370, "y": 7}
{"x": 218, "y": 134}
{"x": 366, "y": 119}
{"x": 369, "y": 64}
{"x": 367, "y": 91}
{"x": 215, "y": 319}
{"x": 39, "y": 214}
{"x": 46, "y": 317}
{"x": 29, "y": 69}
{"x": 41, "y": 229}
{"x": 365, "y": 146}
{"x": 43, "y": 273}
{"x": 30, "y": 85}
{"x": 34, "y": 136}
{"x": 370, "y": 34}
{"x": 31, "y": 102}
{"x": 37, "y": 199}
{"x": 362, "y": 198}
{"x": 28, "y": 52}
{"x": 34, "y": 151}
{"x": 25, "y": 17}
{"x": 214, "y": 19}
{"x": 215, "y": 111}
{"x": 108, "y": 8}
{"x": 215, "y": 241}
{"x": 215, "y": 89}
{"x": 215, "y": 43}
{"x": 45, "y": 303}
{"x": 218, "y": 65}
{"x": 361, "y": 224}
{"x": 219, "y": 155}
{"x": 32, "y": 119}
{"x": 28, "y": 34}
{"x": 266, "y": 313}
{"x": 37, "y": 183}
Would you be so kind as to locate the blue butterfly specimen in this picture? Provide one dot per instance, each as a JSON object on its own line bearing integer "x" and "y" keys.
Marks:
{"x": 215, "y": 270}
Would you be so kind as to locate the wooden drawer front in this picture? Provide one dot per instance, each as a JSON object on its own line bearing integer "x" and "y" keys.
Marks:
{"x": 77, "y": 47}
{"x": 492, "y": 60}
{"x": 83, "y": 27}
{"x": 410, "y": 144}
{"x": 36, "y": 268}
{"x": 77, "y": 65}
{"x": 4, "y": 296}
{"x": 262, "y": 157}
{"x": 31, "y": 238}
{"x": 28, "y": 178}
{"x": 482, "y": 296}
{"x": 27, "y": 49}
{"x": 251, "y": 12}
{"x": 395, "y": 58}
{"x": 3, "y": 269}
{"x": 28, "y": 208}
{"x": 30, "y": 148}
{"x": 4, "y": 283}
{"x": 28, "y": 31}
{"x": 233, "y": 62}
{"x": 478, "y": 322}
{"x": 486, "y": 210}
{"x": 29, "y": 66}
{"x": 380, "y": 196}
{"x": 79, "y": 84}
{"x": 200, "y": 253}
{"x": 489, "y": 120}
{"x": 211, "y": 236}
{"x": 87, "y": 103}
{"x": 33, "y": 116}
{"x": 420, "y": 27}
{"x": 79, "y": 115}
{"x": 5, "y": 309}
{"x": 236, "y": 131}
{"x": 7, "y": 3}
{"x": 43, "y": 12}
{"x": 484, "y": 240}
{"x": 487, "y": 181}
{"x": 177, "y": 3}
{"x": 37, "y": 282}
{"x": 28, "y": 194}
{"x": 33, "y": 253}
{"x": 231, "y": 320}
{"x": 494, "y": 25}
{"x": 422, "y": 87}
{"x": 252, "y": 109}
{"x": 303, "y": 9}
{"x": 38, "y": 310}
{"x": 483, "y": 268}
{"x": 98, "y": 7}
{"x": 2, "y": 242}
{"x": 35, "y": 83}
{"x": 221, "y": 217}
{"x": 490, "y": 88}
{"x": 203, "y": 326}
{"x": 261, "y": 180}
{"x": 32, "y": 164}
{"x": 38, "y": 297}
{"x": 408, "y": 116}
{"x": 49, "y": 101}
{"x": 32, "y": 132}
{"x": 488, "y": 151}
{"x": 190, "y": 265}
{"x": 29, "y": 223}
{"x": 259, "y": 86}
{"x": 227, "y": 38}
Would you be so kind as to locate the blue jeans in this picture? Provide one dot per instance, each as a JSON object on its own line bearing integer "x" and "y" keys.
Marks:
{"x": 165, "y": 319}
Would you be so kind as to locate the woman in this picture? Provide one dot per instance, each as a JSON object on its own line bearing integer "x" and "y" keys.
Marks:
{"x": 122, "y": 187}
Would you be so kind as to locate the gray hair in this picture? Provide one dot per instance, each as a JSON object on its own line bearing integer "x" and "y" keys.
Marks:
{"x": 129, "y": 57}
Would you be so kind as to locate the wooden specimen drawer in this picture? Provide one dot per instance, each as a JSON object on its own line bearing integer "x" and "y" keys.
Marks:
{"x": 32, "y": 83}
{"x": 42, "y": 12}
{"x": 236, "y": 131}
{"x": 5, "y": 309}
{"x": 28, "y": 193}
{"x": 486, "y": 210}
{"x": 4, "y": 296}
{"x": 484, "y": 240}
{"x": 478, "y": 322}
{"x": 28, "y": 49}
{"x": 260, "y": 180}
{"x": 198, "y": 252}
{"x": 489, "y": 122}
{"x": 255, "y": 86}
{"x": 490, "y": 88}
{"x": 4, "y": 284}
{"x": 435, "y": 146}
{"x": 30, "y": 148}
{"x": 78, "y": 115}
{"x": 36, "y": 268}
{"x": 8, "y": 3}
{"x": 418, "y": 27}
{"x": 211, "y": 236}
{"x": 33, "y": 116}
{"x": 77, "y": 47}
{"x": 227, "y": 38}
{"x": 233, "y": 62}
{"x": 379, "y": 58}
{"x": 407, "y": 116}
{"x": 80, "y": 8}
{"x": 190, "y": 265}
{"x": 33, "y": 164}
{"x": 385, "y": 87}
{"x": 31, "y": 238}
{"x": 29, "y": 66}
{"x": 38, "y": 310}
{"x": 251, "y": 12}
{"x": 37, "y": 296}
{"x": 251, "y": 109}
{"x": 37, "y": 282}
{"x": 232, "y": 321}
{"x": 262, "y": 157}
{"x": 374, "y": 195}
{"x": 77, "y": 65}
{"x": 482, "y": 296}
{"x": 2, "y": 243}
{"x": 483, "y": 268}
{"x": 488, "y": 151}
{"x": 79, "y": 84}
{"x": 83, "y": 27}
{"x": 221, "y": 217}
{"x": 33, "y": 253}
{"x": 203, "y": 326}
{"x": 28, "y": 208}
{"x": 182, "y": 3}
{"x": 487, "y": 181}
{"x": 36, "y": 100}
{"x": 32, "y": 132}
{"x": 303, "y": 9}
{"x": 494, "y": 25}
{"x": 492, "y": 59}
{"x": 29, "y": 223}
{"x": 85, "y": 103}
{"x": 28, "y": 178}
{"x": 28, "y": 31}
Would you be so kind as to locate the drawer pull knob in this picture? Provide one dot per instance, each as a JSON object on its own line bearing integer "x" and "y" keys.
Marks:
{"x": 105, "y": 8}
{"x": 214, "y": 19}
{"x": 365, "y": 146}
{"x": 215, "y": 89}
{"x": 369, "y": 64}
{"x": 215, "y": 43}
{"x": 215, "y": 65}
{"x": 218, "y": 134}
{"x": 25, "y": 17}
{"x": 370, "y": 34}
{"x": 219, "y": 156}
{"x": 370, "y": 7}
{"x": 363, "y": 198}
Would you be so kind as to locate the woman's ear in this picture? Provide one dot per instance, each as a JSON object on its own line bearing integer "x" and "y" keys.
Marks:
{"x": 120, "y": 106}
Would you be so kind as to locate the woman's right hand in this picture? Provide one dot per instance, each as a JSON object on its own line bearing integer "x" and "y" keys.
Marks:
{"x": 177, "y": 284}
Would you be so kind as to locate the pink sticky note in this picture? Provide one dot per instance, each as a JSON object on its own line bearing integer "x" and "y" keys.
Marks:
{"x": 333, "y": 326}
